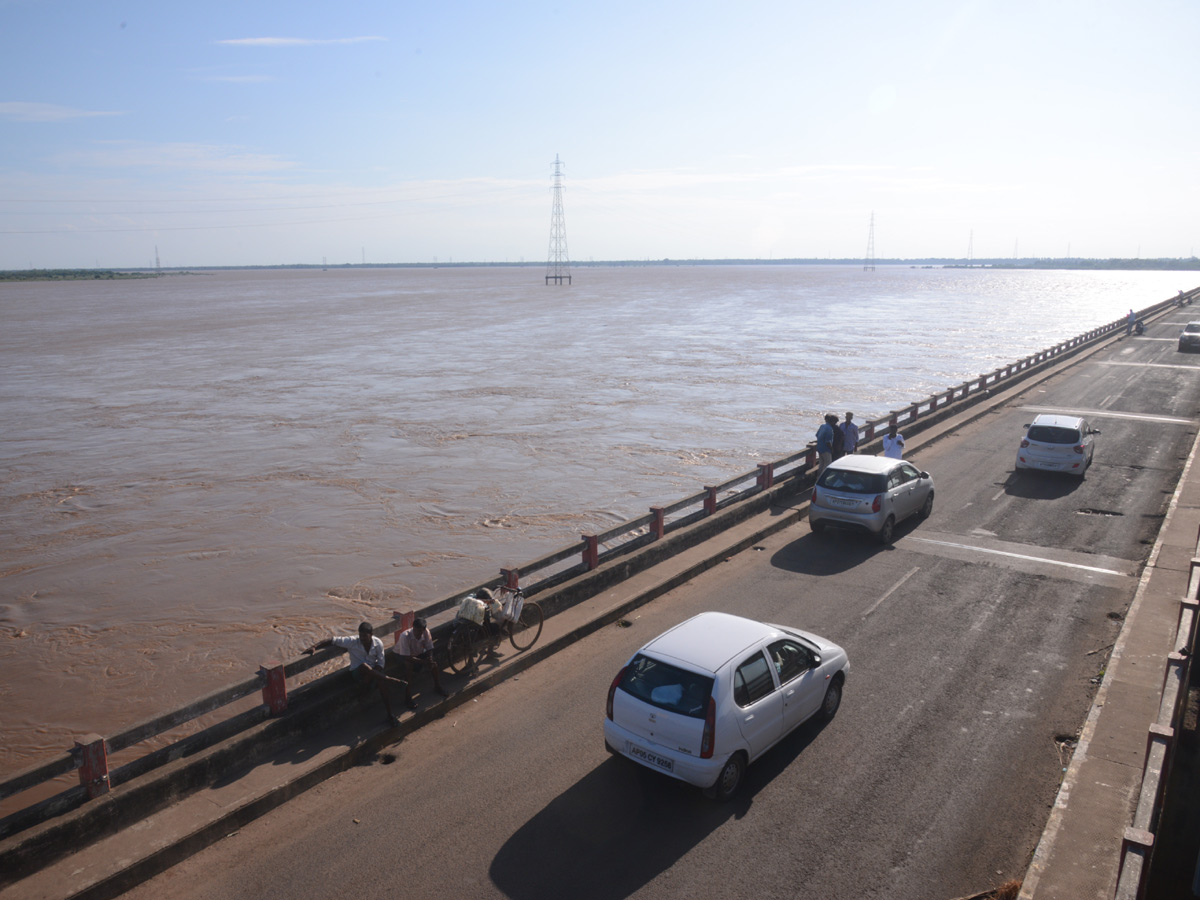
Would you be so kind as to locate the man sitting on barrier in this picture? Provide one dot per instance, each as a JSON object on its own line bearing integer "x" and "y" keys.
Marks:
{"x": 414, "y": 647}
{"x": 366, "y": 662}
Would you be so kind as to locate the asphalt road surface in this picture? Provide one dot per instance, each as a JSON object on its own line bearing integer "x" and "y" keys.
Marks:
{"x": 976, "y": 643}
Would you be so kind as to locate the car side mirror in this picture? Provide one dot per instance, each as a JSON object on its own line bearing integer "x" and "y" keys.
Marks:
{"x": 1094, "y": 431}
{"x": 816, "y": 660}
{"x": 1025, "y": 425}
{"x": 925, "y": 475}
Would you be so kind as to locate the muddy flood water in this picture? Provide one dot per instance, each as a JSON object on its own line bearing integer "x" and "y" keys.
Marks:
{"x": 202, "y": 472}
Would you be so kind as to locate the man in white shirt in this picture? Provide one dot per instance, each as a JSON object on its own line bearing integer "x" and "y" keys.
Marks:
{"x": 366, "y": 662}
{"x": 415, "y": 649}
{"x": 893, "y": 443}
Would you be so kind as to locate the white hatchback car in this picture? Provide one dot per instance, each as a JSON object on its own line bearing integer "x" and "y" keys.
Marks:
{"x": 1055, "y": 443}
{"x": 702, "y": 701}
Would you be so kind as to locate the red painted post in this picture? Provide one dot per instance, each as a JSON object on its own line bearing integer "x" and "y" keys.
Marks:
{"x": 710, "y": 502}
{"x": 766, "y": 475}
{"x": 869, "y": 433}
{"x": 659, "y": 525}
{"x": 93, "y": 766}
{"x": 274, "y": 692}
{"x": 810, "y": 458}
{"x": 511, "y": 578}
{"x": 591, "y": 551}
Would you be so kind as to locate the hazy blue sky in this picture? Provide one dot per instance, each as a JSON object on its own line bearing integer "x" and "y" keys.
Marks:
{"x": 268, "y": 132}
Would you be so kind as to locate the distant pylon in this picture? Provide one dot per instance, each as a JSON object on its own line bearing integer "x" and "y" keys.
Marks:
{"x": 869, "y": 262}
{"x": 558, "y": 265}
{"x": 157, "y": 264}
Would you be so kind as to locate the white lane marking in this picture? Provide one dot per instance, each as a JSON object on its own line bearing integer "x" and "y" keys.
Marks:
{"x": 1037, "y": 559}
{"x": 1148, "y": 365}
{"x": 1109, "y": 414}
{"x": 874, "y": 606}
{"x": 999, "y": 494}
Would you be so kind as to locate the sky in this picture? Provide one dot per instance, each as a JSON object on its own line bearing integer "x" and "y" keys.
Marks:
{"x": 267, "y": 133}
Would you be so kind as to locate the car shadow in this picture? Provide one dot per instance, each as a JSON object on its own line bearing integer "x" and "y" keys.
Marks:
{"x": 1032, "y": 485}
{"x": 622, "y": 825}
{"x": 835, "y": 550}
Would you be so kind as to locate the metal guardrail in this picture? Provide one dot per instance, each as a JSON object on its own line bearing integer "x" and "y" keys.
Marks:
{"x": 89, "y": 755}
{"x": 1137, "y": 844}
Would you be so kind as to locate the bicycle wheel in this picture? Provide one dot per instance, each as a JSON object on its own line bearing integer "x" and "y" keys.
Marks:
{"x": 460, "y": 648}
{"x": 528, "y": 628}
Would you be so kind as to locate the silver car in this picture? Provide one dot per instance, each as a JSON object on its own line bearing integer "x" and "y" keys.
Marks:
{"x": 1055, "y": 443}
{"x": 870, "y": 493}
{"x": 1189, "y": 338}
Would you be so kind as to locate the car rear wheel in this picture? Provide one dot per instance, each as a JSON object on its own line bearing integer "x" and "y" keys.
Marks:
{"x": 833, "y": 699}
{"x": 727, "y": 782}
{"x": 888, "y": 529}
{"x": 817, "y": 527}
{"x": 927, "y": 506}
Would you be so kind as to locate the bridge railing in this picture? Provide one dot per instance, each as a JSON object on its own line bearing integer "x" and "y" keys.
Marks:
{"x": 90, "y": 754}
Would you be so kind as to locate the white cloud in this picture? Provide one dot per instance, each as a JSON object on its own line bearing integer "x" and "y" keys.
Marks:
{"x": 296, "y": 42}
{"x": 47, "y": 112}
{"x": 187, "y": 157}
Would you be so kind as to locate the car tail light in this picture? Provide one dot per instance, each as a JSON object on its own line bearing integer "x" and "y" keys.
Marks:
{"x": 612, "y": 689}
{"x": 1079, "y": 449}
{"x": 813, "y": 498}
{"x": 877, "y": 503}
{"x": 709, "y": 738}
{"x": 1024, "y": 443}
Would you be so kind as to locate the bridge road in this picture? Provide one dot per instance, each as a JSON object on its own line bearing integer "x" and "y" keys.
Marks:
{"x": 974, "y": 642}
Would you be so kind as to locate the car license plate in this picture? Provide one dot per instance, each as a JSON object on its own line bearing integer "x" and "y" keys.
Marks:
{"x": 663, "y": 762}
{"x": 845, "y": 504}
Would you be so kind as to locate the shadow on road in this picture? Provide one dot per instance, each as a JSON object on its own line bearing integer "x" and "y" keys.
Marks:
{"x": 834, "y": 551}
{"x": 1041, "y": 485}
{"x": 621, "y": 826}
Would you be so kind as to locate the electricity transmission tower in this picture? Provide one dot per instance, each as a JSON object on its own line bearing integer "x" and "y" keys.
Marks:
{"x": 869, "y": 262}
{"x": 558, "y": 265}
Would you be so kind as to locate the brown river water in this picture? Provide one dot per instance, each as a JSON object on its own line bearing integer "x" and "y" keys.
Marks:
{"x": 202, "y": 472}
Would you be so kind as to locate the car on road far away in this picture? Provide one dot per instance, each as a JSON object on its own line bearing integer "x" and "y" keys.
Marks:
{"x": 1189, "y": 338}
{"x": 705, "y": 699}
{"x": 1057, "y": 443}
{"x": 870, "y": 493}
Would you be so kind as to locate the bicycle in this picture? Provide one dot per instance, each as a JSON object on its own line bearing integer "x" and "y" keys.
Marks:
{"x": 522, "y": 625}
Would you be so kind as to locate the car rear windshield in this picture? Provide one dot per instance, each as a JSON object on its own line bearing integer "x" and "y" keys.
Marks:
{"x": 668, "y": 687}
{"x": 1053, "y": 434}
{"x": 853, "y": 482}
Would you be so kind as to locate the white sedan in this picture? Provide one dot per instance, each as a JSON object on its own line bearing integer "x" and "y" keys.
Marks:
{"x": 705, "y": 699}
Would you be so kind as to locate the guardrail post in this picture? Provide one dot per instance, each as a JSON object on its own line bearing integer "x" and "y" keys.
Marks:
{"x": 93, "y": 764}
{"x": 659, "y": 524}
{"x": 591, "y": 551}
{"x": 511, "y": 578}
{"x": 766, "y": 475}
{"x": 868, "y": 432}
{"x": 710, "y": 502}
{"x": 1134, "y": 837}
{"x": 274, "y": 692}
{"x": 810, "y": 458}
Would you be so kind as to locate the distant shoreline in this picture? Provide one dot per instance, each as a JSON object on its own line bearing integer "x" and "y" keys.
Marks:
{"x": 1158, "y": 265}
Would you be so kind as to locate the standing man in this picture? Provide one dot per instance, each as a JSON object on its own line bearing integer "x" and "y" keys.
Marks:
{"x": 366, "y": 662}
{"x": 893, "y": 443}
{"x": 415, "y": 649}
{"x": 825, "y": 444}
{"x": 1129, "y": 322}
{"x": 850, "y": 430}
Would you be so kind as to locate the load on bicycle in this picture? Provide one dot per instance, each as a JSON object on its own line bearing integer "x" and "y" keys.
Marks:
{"x": 484, "y": 618}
